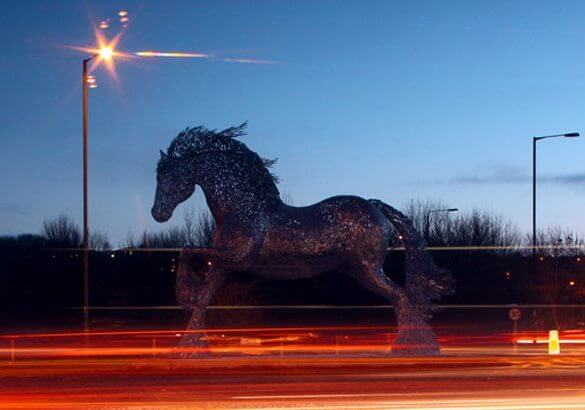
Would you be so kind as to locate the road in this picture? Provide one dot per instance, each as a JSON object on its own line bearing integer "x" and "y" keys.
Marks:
{"x": 120, "y": 370}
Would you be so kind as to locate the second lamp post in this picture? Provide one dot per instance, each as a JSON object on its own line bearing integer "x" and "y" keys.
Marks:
{"x": 534, "y": 141}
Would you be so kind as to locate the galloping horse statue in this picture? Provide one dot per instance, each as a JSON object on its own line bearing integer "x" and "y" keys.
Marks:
{"x": 258, "y": 234}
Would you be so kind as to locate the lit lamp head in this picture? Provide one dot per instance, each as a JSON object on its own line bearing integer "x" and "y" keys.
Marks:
{"x": 106, "y": 53}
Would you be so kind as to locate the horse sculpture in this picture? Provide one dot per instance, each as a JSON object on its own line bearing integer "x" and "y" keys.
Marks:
{"x": 259, "y": 234}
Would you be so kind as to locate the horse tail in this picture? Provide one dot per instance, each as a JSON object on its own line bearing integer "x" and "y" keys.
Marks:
{"x": 424, "y": 282}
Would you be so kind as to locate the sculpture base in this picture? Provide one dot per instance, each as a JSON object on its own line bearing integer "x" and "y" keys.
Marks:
{"x": 191, "y": 347}
{"x": 404, "y": 351}
{"x": 419, "y": 341}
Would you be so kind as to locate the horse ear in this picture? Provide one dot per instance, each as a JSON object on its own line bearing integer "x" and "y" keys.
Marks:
{"x": 162, "y": 155}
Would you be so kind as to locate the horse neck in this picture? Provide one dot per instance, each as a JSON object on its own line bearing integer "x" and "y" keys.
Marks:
{"x": 231, "y": 191}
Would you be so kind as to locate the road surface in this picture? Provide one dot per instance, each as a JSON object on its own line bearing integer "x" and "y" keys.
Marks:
{"x": 297, "y": 370}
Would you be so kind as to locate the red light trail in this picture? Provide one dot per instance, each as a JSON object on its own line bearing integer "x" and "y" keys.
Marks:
{"x": 282, "y": 368}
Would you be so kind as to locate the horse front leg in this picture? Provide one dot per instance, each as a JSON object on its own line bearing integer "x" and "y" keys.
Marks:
{"x": 190, "y": 275}
{"x": 236, "y": 258}
{"x": 192, "y": 342}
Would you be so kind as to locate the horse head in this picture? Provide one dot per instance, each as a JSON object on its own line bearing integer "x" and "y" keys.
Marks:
{"x": 228, "y": 172}
{"x": 174, "y": 184}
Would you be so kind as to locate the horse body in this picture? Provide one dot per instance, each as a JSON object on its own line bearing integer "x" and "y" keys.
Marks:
{"x": 257, "y": 233}
{"x": 300, "y": 242}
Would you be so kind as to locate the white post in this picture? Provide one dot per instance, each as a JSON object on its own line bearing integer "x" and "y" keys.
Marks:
{"x": 514, "y": 337}
{"x": 554, "y": 345}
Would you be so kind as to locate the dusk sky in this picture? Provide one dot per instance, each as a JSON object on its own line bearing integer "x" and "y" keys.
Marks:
{"x": 394, "y": 100}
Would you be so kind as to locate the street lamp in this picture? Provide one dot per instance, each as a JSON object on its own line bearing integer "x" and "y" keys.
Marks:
{"x": 534, "y": 141}
{"x": 428, "y": 219}
{"x": 105, "y": 53}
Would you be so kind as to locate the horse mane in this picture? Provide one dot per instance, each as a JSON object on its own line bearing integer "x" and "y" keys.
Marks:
{"x": 201, "y": 140}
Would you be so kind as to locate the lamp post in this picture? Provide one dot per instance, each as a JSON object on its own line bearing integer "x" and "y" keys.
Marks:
{"x": 428, "y": 219}
{"x": 84, "y": 87}
{"x": 534, "y": 141}
{"x": 104, "y": 53}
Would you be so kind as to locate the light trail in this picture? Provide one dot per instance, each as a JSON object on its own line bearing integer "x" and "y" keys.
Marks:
{"x": 494, "y": 404}
{"x": 545, "y": 341}
{"x": 444, "y": 404}
{"x": 248, "y": 61}
{"x": 443, "y": 383}
{"x": 106, "y": 49}
{"x": 180, "y": 332}
{"x": 170, "y": 54}
{"x": 330, "y": 340}
{"x": 179, "y": 54}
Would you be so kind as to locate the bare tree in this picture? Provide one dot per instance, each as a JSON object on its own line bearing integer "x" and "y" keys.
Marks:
{"x": 559, "y": 242}
{"x": 170, "y": 238}
{"x": 481, "y": 228}
{"x": 98, "y": 241}
{"x": 432, "y": 226}
{"x": 61, "y": 232}
{"x": 198, "y": 228}
{"x": 474, "y": 228}
{"x": 189, "y": 226}
{"x": 129, "y": 241}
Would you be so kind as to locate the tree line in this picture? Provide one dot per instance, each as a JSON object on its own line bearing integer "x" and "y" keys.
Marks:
{"x": 36, "y": 275}
{"x": 483, "y": 229}
{"x": 476, "y": 228}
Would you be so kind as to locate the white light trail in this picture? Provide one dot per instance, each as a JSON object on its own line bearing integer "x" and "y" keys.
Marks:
{"x": 248, "y": 61}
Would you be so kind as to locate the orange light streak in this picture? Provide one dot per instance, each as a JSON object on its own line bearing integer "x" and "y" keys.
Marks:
{"x": 243, "y": 341}
{"x": 546, "y": 341}
{"x": 285, "y": 368}
{"x": 172, "y": 54}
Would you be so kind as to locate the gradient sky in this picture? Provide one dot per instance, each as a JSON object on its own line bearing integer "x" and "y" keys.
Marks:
{"x": 387, "y": 99}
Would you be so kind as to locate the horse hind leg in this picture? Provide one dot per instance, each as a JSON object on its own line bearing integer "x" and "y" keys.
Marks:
{"x": 415, "y": 336}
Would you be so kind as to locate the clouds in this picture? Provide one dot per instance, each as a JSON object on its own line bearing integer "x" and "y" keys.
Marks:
{"x": 14, "y": 209}
{"x": 512, "y": 177}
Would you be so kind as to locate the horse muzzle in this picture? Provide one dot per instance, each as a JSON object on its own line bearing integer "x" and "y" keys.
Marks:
{"x": 160, "y": 216}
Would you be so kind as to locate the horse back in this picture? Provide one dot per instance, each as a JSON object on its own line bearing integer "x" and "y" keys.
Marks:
{"x": 326, "y": 235}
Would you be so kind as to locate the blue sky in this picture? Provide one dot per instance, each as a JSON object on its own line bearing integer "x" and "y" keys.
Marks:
{"x": 388, "y": 99}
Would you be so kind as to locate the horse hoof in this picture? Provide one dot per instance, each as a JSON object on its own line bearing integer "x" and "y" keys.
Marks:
{"x": 189, "y": 353}
{"x": 405, "y": 351}
{"x": 191, "y": 347}
{"x": 417, "y": 344}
